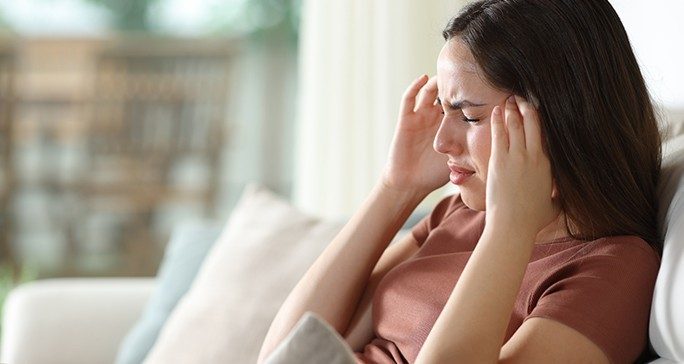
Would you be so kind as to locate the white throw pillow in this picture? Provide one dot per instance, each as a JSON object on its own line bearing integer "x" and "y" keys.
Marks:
{"x": 265, "y": 248}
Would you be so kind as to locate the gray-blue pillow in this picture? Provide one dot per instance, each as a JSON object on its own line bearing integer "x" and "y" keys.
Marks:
{"x": 189, "y": 245}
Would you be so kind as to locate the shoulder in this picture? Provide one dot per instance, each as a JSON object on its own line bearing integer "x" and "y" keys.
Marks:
{"x": 623, "y": 262}
{"x": 628, "y": 251}
{"x": 603, "y": 291}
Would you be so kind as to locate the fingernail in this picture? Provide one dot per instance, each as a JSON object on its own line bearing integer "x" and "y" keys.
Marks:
{"x": 511, "y": 99}
{"x": 497, "y": 110}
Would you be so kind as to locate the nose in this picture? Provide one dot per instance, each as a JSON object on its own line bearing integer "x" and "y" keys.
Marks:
{"x": 447, "y": 139}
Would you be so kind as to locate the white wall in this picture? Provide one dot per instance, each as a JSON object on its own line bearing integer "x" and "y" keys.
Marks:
{"x": 356, "y": 59}
{"x": 656, "y": 31}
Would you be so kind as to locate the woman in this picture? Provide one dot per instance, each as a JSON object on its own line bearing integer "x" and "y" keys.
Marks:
{"x": 540, "y": 114}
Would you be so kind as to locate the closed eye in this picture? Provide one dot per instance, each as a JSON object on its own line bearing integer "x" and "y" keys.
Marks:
{"x": 466, "y": 119}
{"x": 460, "y": 105}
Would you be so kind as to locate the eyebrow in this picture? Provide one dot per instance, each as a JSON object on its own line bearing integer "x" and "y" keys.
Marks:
{"x": 460, "y": 104}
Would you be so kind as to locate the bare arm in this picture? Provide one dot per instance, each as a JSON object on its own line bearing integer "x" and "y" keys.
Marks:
{"x": 333, "y": 285}
{"x": 360, "y": 330}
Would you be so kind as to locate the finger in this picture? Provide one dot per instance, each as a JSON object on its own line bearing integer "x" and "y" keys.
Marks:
{"x": 408, "y": 101}
{"x": 532, "y": 125}
{"x": 514, "y": 126}
{"x": 499, "y": 137}
{"x": 428, "y": 94}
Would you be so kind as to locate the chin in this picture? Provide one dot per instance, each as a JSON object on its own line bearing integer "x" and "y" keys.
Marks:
{"x": 474, "y": 201}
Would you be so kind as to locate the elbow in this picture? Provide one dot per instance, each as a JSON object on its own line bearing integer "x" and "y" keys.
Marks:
{"x": 267, "y": 349}
{"x": 263, "y": 353}
{"x": 275, "y": 335}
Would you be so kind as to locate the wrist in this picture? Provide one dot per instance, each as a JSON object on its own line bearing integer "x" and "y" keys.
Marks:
{"x": 404, "y": 195}
{"x": 508, "y": 225}
{"x": 388, "y": 205}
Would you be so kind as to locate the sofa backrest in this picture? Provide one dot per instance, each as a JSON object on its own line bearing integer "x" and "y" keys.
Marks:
{"x": 667, "y": 316}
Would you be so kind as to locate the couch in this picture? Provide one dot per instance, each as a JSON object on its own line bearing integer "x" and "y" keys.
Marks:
{"x": 85, "y": 320}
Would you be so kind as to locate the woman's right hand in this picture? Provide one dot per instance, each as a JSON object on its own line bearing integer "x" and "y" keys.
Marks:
{"x": 413, "y": 165}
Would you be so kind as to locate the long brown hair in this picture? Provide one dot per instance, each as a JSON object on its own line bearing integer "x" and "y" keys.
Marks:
{"x": 572, "y": 59}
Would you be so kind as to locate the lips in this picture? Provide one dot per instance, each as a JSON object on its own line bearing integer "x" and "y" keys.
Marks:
{"x": 460, "y": 170}
{"x": 459, "y": 174}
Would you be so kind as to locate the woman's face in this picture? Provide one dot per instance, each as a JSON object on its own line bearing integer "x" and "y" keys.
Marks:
{"x": 467, "y": 143}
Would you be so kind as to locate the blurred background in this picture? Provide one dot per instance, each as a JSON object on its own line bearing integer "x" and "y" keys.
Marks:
{"x": 120, "y": 119}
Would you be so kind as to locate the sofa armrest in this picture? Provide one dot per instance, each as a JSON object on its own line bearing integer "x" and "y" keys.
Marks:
{"x": 71, "y": 320}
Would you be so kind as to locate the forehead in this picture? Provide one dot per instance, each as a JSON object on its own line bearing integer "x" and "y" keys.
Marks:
{"x": 457, "y": 72}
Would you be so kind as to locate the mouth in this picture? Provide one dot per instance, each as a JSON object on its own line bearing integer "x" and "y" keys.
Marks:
{"x": 459, "y": 174}
{"x": 458, "y": 169}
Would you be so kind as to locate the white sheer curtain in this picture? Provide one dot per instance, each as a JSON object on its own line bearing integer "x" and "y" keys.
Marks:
{"x": 356, "y": 59}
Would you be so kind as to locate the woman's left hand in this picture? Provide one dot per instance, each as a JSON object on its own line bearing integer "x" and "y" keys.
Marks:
{"x": 519, "y": 179}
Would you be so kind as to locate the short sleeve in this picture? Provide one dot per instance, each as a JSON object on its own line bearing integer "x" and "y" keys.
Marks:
{"x": 443, "y": 208}
{"x": 606, "y": 295}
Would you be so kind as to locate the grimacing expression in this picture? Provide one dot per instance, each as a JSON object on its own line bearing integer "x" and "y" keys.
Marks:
{"x": 464, "y": 134}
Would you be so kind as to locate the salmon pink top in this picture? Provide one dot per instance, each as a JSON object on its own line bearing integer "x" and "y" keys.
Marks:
{"x": 601, "y": 288}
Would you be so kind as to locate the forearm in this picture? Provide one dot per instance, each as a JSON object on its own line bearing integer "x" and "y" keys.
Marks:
{"x": 473, "y": 323}
{"x": 333, "y": 285}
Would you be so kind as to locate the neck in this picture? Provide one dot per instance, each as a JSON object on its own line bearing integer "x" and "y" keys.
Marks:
{"x": 555, "y": 230}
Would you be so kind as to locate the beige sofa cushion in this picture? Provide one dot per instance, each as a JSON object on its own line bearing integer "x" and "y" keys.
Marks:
{"x": 226, "y": 313}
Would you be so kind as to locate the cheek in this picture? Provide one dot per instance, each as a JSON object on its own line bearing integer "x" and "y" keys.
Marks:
{"x": 479, "y": 142}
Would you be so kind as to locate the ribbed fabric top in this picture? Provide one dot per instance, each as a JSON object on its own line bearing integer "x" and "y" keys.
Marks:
{"x": 601, "y": 288}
